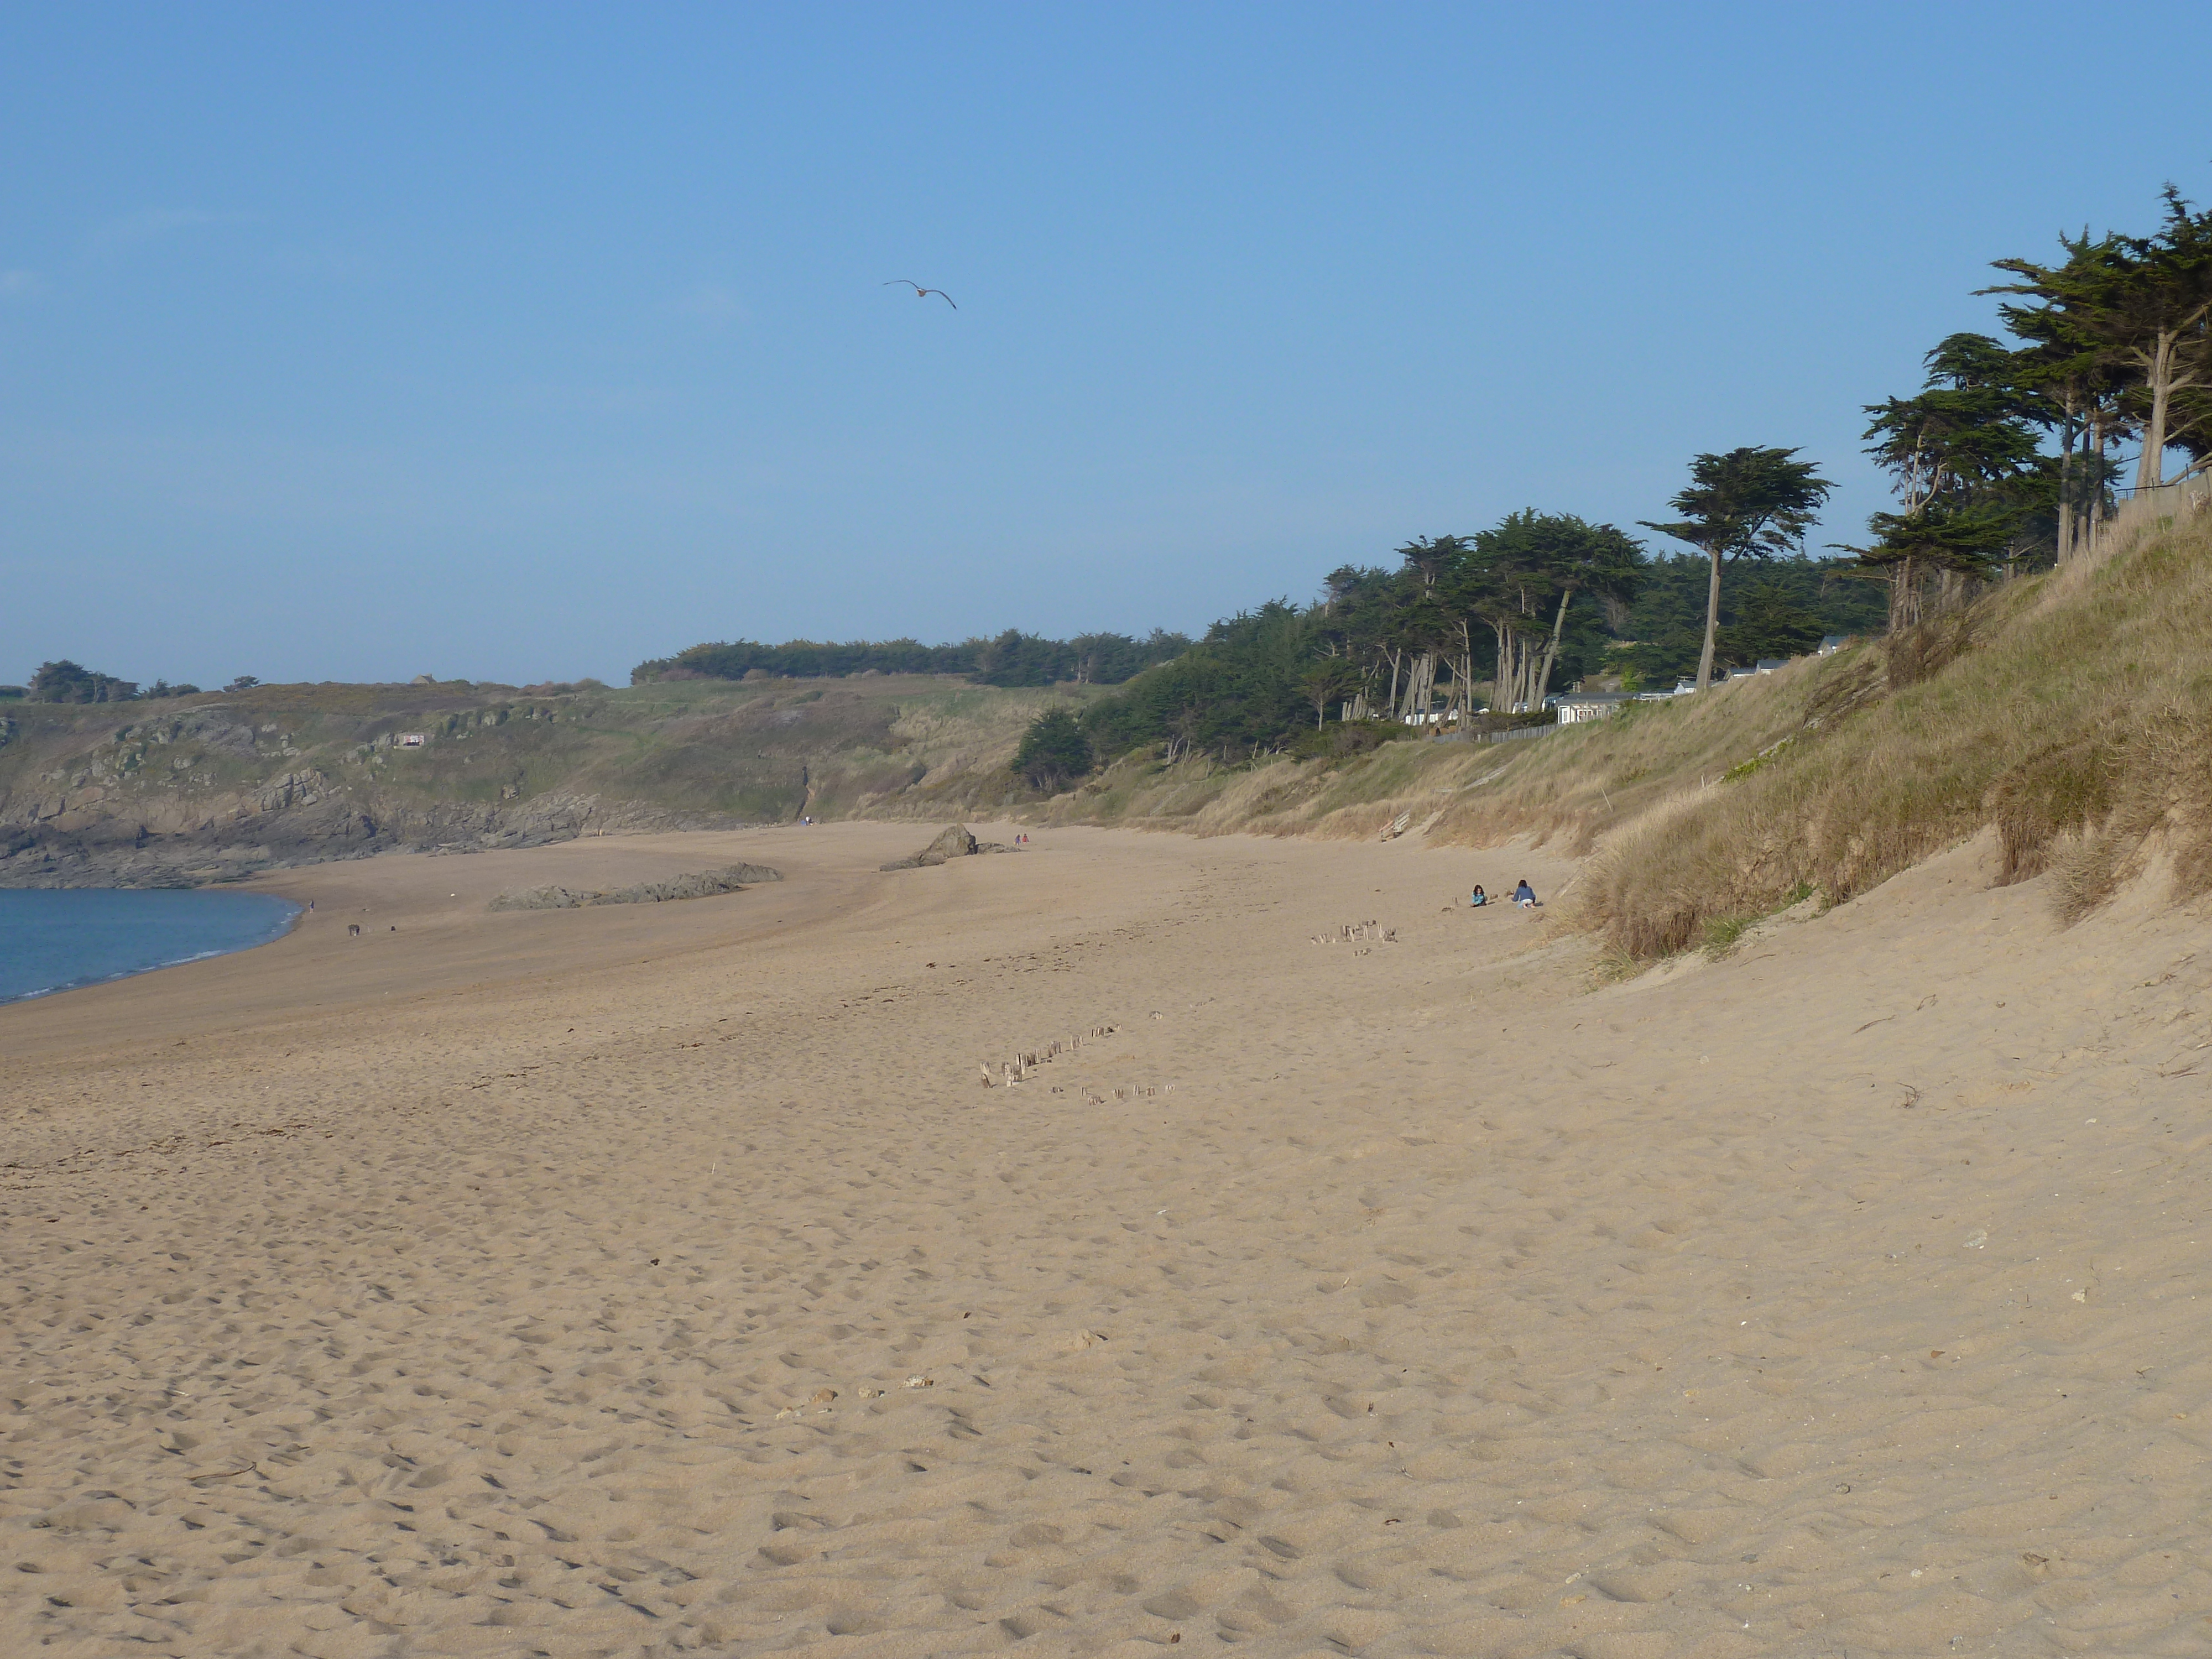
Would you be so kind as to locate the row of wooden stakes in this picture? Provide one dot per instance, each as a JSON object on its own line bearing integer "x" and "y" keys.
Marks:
{"x": 1352, "y": 931}
{"x": 1092, "y": 1097}
{"x": 1018, "y": 1069}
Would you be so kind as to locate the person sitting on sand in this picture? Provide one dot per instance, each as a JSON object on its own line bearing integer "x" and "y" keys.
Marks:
{"x": 1481, "y": 898}
{"x": 1525, "y": 896}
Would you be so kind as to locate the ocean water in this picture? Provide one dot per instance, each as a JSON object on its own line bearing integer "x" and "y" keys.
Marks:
{"x": 51, "y": 941}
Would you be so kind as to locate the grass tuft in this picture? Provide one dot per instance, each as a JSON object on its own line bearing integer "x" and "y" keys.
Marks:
{"x": 1724, "y": 933}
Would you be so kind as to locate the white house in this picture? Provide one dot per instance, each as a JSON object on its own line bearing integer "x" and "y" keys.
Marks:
{"x": 1578, "y": 707}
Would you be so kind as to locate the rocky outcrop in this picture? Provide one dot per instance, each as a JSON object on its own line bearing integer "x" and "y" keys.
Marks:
{"x": 953, "y": 843}
{"x": 71, "y": 842}
{"x": 706, "y": 884}
{"x": 184, "y": 791}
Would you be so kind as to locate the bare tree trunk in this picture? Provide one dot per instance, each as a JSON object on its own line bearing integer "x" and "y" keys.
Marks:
{"x": 1712, "y": 622}
{"x": 1551, "y": 651}
{"x": 1418, "y": 676}
{"x": 2096, "y": 476}
{"x": 1904, "y": 595}
{"x": 2066, "y": 486}
{"x": 2150, "y": 465}
{"x": 1463, "y": 676}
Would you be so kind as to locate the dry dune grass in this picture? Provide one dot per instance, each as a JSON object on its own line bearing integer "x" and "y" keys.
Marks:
{"x": 2075, "y": 714}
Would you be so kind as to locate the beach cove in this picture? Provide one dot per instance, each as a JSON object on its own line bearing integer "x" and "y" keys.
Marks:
{"x": 660, "y": 1279}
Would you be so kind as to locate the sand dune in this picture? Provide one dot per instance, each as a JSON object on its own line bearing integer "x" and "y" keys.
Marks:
{"x": 659, "y": 1279}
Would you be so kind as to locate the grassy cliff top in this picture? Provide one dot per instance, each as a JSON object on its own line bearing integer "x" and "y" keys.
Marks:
{"x": 761, "y": 751}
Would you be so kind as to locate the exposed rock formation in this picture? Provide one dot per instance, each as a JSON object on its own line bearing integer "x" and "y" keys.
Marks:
{"x": 953, "y": 843}
{"x": 291, "y": 823}
{"x": 705, "y": 884}
{"x": 179, "y": 792}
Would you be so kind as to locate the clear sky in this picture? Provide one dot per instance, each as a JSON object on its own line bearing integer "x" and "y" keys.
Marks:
{"x": 526, "y": 342}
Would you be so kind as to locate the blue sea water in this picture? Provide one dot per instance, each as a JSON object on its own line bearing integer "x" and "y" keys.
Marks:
{"x": 53, "y": 940}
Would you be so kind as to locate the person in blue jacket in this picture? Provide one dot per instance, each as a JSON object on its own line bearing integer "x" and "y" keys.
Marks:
{"x": 1481, "y": 898}
{"x": 1525, "y": 896}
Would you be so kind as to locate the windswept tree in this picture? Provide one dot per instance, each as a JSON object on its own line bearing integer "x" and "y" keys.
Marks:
{"x": 2144, "y": 302}
{"x": 2078, "y": 379}
{"x": 1769, "y": 623}
{"x": 1598, "y": 560}
{"x": 67, "y": 682}
{"x": 1054, "y": 752}
{"x": 1425, "y": 622}
{"x": 1526, "y": 574}
{"x": 1967, "y": 429}
{"x": 1967, "y": 465}
{"x": 1749, "y": 503}
{"x": 1331, "y": 680}
{"x": 1950, "y": 542}
{"x": 1355, "y": 625}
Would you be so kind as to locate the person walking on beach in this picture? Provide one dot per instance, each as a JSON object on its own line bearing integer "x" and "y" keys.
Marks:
{"x": 1525, "y": 896}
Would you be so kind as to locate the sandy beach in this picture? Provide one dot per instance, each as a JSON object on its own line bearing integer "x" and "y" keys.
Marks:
{"x": 661, "y": 1280}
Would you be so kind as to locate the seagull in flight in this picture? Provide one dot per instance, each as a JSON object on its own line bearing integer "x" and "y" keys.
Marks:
{"x": 919, "y": 292}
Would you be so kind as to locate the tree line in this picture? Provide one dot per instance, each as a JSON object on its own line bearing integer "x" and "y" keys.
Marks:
{"x": 1010, "y": 658}
{"x": 1492, "y": 622}
{"x": 67, "y": 682}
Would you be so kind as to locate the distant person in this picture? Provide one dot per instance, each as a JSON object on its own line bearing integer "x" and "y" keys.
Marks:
{"x": 1525, "y": 896}
{"x": 1481, "y": 898}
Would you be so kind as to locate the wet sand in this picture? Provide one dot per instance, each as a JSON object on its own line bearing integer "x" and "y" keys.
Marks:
{"x": 660, "y": 1279}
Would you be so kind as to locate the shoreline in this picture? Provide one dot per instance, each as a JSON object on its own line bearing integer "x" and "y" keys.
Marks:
{"x": 286, "y": 924}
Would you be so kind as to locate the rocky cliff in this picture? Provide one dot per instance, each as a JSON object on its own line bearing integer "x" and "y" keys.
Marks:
{"x": 210, "y": 788}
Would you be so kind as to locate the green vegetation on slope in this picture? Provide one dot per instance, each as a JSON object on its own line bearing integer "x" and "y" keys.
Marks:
{"x": 213, "y": 787}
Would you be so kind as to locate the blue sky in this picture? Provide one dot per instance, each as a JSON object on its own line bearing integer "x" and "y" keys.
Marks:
{"x": 523, "y": 343}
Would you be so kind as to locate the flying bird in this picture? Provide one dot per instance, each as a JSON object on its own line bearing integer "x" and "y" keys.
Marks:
{"x": 919, "y": 292}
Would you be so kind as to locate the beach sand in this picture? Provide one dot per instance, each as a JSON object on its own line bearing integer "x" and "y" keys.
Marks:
{"x": 661, "y": 1280}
